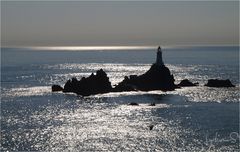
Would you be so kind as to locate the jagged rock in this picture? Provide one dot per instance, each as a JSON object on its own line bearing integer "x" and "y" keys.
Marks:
{"x": 94, "y": 84}
{"x": 158, "y": 77}
{"x": 219, "y": 83}
{"x": 124, "y": 87}
{"x": 186, "y": 83}
{"x": 71, "y": 85}
{"x": 56, "y": 88}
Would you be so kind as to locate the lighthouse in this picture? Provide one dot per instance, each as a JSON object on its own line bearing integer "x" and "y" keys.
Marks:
{"x": 159, "y": 60}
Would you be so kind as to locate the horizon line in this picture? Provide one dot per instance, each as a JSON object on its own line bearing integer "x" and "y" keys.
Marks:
{"x": 93, "y": 47}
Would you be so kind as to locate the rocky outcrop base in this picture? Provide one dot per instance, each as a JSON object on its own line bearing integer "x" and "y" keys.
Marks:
{"x": 219, "y": 83}
{"x": 156, "y": 78}
{"x": 94, "y": 84}
{"x": 187, "y": 83}
{"x": 56, "y": 88}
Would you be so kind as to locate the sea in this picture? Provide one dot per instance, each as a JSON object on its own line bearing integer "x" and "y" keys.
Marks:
{"x": 188, "y": 119}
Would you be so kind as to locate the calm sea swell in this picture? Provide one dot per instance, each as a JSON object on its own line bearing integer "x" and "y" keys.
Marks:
{"x": 188, "y": 119}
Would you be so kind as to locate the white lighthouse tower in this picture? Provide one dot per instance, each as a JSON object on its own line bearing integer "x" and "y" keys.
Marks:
{"x": 159, "y": 60}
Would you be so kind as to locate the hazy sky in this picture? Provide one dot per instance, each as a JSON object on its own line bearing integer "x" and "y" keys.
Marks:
{"x": 119, "y": 23}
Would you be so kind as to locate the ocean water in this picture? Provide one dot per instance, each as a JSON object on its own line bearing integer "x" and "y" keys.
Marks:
{"x": 187, "y": 119}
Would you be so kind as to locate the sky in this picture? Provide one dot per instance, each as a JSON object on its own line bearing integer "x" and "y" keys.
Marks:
{"x": 52, "y": 23}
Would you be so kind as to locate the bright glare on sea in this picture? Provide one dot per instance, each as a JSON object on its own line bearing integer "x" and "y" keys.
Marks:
{"x": 188, "y": 119}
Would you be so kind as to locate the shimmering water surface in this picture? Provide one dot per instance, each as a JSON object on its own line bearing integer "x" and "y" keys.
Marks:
{"x": 188, "y": 119}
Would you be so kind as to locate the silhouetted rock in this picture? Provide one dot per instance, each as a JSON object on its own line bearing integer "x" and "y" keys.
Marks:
{"x": 133, "y": 104}
{"x": 94, "y": 84}
{"x": 158, "y": 77}
{"x": 186, "y": 83}
{"x": 124, "y": 86}
{"x": 152, "y": 104}
{"x": 56, "y": 88}
{"x": 71, "y": 85}
{"x": 151, "y": 127}
{"x": 219, "y": 83}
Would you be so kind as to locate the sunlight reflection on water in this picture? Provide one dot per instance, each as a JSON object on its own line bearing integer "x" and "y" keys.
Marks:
{"x": 36, "y": 119}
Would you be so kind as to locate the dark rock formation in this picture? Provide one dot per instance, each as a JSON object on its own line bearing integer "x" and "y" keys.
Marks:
{"x": 158, "y": 77}
{"x": 56, "y": 88}
{"x": 94, "y": 84}
{"x": 133, "y": 104}
{"x": 186, "y": 83}
{"x": 219, "y": 83}
{"x": 124, "y": 86}
{"x": 152, "y": 104}
{"x": 151, "y": 127}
